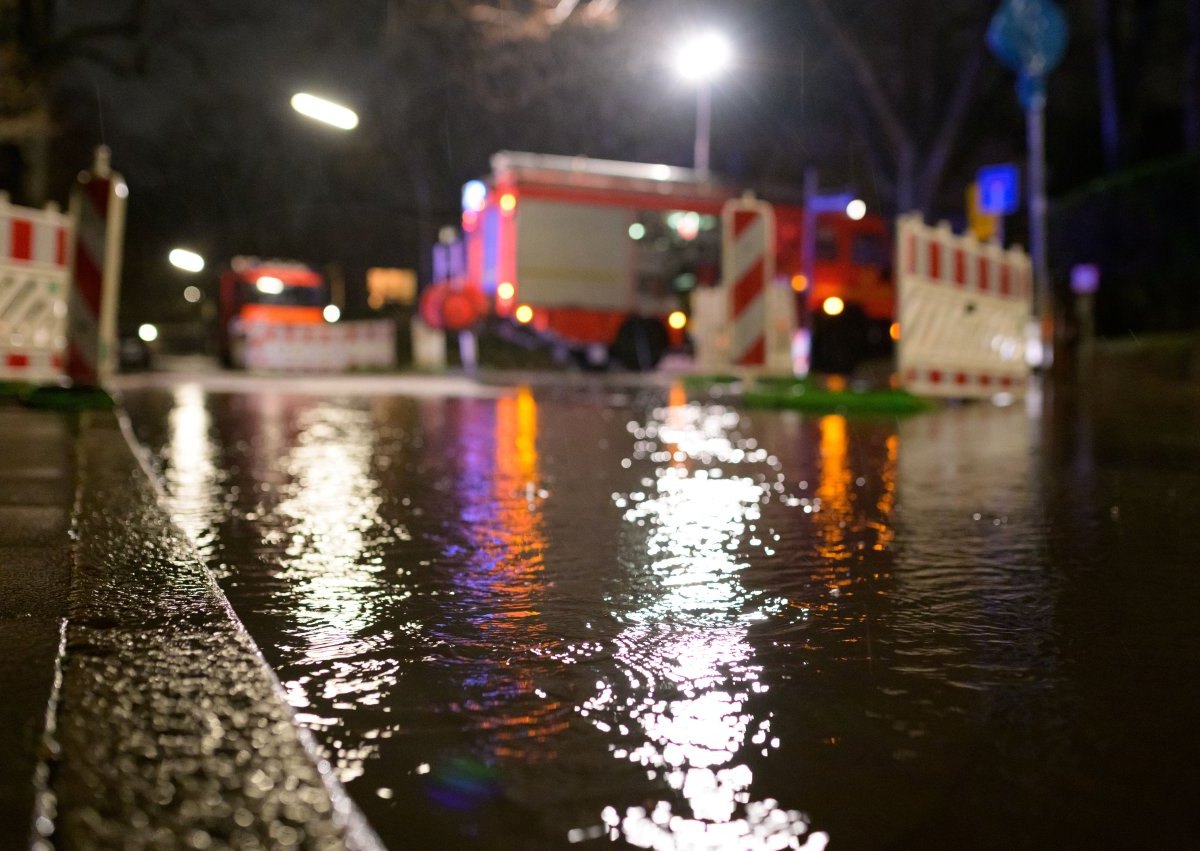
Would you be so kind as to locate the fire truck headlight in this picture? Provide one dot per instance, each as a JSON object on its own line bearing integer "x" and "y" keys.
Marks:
{"x": 677, "y": 320}
{"x": 508, "y": 202}
{"x": 833, "y": 306}
{"x": 332, "y": 313}
{"x": 269, "y": 285}
{"x": 524, "y": 314}
{"x": 505, "y": 291}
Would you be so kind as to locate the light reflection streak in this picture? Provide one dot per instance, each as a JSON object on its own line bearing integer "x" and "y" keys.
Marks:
{"x": 684, "y": 710}
{"x": 192, "y": 479}
{"x": 329, "y": 534}
{"x": 318, "y": 516}
{"x": 852, "y": 523}
{"x": 834, "y": 492}
{"x": 500, "y": 579}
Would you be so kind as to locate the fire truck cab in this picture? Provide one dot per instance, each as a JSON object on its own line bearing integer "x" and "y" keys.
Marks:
{"x": 277, "y": 292}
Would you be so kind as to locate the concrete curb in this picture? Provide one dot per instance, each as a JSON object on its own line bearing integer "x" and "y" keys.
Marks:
{"x": 171, "y": 729}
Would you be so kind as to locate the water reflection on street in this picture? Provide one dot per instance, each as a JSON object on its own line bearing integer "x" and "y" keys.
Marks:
{"x": 579, "y": 616}
{"x": 688, "y": 682}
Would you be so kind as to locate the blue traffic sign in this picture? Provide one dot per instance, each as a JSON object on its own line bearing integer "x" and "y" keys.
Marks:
{"x": 1029, "y": 36}
{"x": 999, "y": 189}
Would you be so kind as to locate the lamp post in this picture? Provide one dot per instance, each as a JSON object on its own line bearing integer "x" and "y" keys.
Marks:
{"x": 700, "y": 59}
{"x": 186, "y": 260}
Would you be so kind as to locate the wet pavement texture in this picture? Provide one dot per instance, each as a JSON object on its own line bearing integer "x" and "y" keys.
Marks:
{"x": 37, "y": 489}
{"x": 171, "y": 731}
{"x": 563, "y": 617}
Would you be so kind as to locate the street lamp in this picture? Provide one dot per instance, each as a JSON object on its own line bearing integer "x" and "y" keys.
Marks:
{"x": 699, "y": 60}
{"x": 325, "y": 111}
{"x": 188, "y": 261}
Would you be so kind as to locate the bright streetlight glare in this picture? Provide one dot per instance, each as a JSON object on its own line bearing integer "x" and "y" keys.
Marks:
{"x": 325, "y": 111}
{"x": 191, "y": 294}
{"x": 704, "y": 56}
{"x": 188, "y": 261}
{"x": 332, "y": 313}
{"x": 148, "y": 333}
{"x": 856, "y": 209}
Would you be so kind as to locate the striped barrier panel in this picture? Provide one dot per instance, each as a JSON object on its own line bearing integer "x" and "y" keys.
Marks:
{"x": 709, "y": 328}
{"x": 748, "y": 268}
{"x": 98, "y": 214}
{"x": 964, "y": 309}
{"x": 319, "y": 347}
{"x": 34, "y": 279}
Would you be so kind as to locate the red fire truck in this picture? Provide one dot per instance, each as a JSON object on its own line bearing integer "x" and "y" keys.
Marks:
{"x": 280, "y": 292}
{"x": 601, "y": 255}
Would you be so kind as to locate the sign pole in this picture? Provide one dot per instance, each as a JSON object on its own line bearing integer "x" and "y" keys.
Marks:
{"x": 1030, "y": 36}
{"x": 808, "y": 246}
{"x": 1043, "y": 299}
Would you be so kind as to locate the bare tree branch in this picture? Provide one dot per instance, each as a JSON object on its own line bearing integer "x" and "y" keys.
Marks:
{"x": 864, "y": 73}
{"x": 951, "y": 123}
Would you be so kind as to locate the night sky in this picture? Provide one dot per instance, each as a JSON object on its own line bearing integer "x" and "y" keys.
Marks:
{"x": 193, "y": 100}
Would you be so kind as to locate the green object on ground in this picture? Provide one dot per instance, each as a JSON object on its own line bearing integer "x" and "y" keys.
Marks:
{"x": 803, "y": 396}
{"x": 702, "y": 382}
{"x": 14, "y": 389}
{"x": 68, "y": 398}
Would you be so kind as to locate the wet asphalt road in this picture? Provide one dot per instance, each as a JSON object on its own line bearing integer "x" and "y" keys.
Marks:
{"x": 562, "y": 616}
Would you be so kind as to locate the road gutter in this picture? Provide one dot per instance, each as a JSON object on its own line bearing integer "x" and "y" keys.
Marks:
{"x": 171, "y": 728}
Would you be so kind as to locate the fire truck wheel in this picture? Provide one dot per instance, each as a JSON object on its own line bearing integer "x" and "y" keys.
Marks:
{"x": 640, "y": 344}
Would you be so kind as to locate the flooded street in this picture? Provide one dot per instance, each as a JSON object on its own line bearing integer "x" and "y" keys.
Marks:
{"x": 568, "y": 616}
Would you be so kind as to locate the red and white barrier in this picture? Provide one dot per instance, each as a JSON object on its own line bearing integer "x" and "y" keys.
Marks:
{"x": 750, "y": 320}
{"x": 98, "y": 214}
{"x": 319, "y": 347}
{"x": 34, "y": 248}
{"x": 709, "y": 327}
{"x": 748, "y": 268}
{"x": 964, "y": 307}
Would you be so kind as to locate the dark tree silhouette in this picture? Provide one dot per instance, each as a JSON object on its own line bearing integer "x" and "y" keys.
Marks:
{"x": 34, "y": 47}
